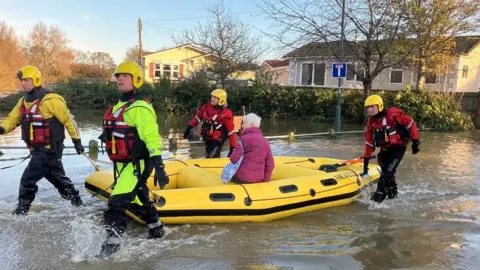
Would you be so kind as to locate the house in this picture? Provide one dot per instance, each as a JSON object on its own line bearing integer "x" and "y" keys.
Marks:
{"x": 311, "y": 65}
{"x": 242, "y": 78}
{"x": 180, "y": 62}
{"x": 175, "y": 63}
{"x": 277, "y": 69}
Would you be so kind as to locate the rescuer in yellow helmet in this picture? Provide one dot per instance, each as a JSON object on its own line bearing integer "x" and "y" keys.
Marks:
{"x": 43, "y": 117}
{"x": 390, "y": 129}
{"x": 134, "y": 145}
{"x": 217, "y": 124}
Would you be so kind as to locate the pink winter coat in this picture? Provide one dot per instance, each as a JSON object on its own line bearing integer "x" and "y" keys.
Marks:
{"x": 257, "y": 164}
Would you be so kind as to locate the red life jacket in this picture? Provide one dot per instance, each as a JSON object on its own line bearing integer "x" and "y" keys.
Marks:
{"x": 386, "y": 132}
{"x": 36, "y": 130}
{"x": 213, "y": 128}
{"x": 122, "y": 141}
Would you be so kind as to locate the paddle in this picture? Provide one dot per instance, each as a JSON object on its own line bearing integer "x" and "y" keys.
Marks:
{"x": 333, "y": 167}
{"x": 97, "y": 168}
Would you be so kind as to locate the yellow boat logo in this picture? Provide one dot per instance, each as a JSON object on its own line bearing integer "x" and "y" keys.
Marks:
{"x": 345, "y": 175}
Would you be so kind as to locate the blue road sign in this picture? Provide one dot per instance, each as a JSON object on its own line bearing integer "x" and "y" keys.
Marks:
{"x": 339, "y": 70}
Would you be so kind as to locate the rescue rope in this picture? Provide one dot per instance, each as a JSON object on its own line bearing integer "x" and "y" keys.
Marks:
{"x": 23, "y": 159}
{"x": 201, "y": 142}
{"x": 301, "y": 135}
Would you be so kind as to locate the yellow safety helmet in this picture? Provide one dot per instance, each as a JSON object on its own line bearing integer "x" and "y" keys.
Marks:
{"x": 30, "y": 72}
{"x": 221, "y": 95}
{"x": 133, "y": 69}
{"x": 374, "y": 100}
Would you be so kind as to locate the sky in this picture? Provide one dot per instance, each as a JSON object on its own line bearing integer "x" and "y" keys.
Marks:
{"x": 111, "y": 26}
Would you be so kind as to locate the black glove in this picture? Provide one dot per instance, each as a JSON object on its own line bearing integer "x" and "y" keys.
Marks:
{"x": 231, "y": 151}
{"x": 2, "y": 130}
{"x": 161, "y": 177}
{"x": 365, "y": 165}
{"x": 415, "y": 146}
{"x": 78, "y": 146}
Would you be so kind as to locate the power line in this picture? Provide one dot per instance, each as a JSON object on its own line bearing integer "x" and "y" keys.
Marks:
{"x": 156, "y": 28}
{"x": 159, "y": 28}
{"x": 147, "y": 41}
{"x": 202, "y": 17}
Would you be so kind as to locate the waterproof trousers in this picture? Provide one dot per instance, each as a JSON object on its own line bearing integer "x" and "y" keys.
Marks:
{"x": 45, "y": 163}
{"x": 213, "y": 148}
{"x": 389, "y": 159}
{"x": 130, "y": 193}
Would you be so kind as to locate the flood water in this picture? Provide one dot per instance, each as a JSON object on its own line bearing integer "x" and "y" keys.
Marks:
{"x": 432, "y": 225}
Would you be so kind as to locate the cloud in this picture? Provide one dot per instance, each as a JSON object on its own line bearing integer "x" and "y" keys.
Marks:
{"x": 86, "y": 17}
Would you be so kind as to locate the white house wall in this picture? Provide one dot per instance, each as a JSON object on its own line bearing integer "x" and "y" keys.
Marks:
{"x": 444, "y": 82}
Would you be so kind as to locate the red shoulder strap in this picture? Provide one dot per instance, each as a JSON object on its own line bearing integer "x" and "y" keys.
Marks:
{"x": 35, "y": 106}
{"x": 108, "y": 112}
{"x": 22, "y": 106}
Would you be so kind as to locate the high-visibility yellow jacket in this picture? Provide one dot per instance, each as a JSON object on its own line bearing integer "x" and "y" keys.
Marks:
{"x": 51, "y": 105}
{"x": 141, "y": 115}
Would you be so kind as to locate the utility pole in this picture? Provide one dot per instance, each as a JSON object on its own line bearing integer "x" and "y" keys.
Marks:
{"x": 339, "y": 111}
{"x": 140, "y": 42}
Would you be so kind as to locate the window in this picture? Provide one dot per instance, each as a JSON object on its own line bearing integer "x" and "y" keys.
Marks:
{"x": 307, "y": 70}
{"x": 361, "y": 71}
{"x": 175, "y": 72}
{"x": 319, "y": 74}
{"x": 157, "y": 71}
{"x": 465, "y": 72}
{"x": 351, "y": 76}
{"x": 313, "y": 74}
{"x": 430, "y": 78}
{"x": 396, "y": 74}
{"x": 166, "y": 71}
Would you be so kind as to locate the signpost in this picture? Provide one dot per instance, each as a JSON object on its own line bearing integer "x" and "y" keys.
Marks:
{"x": 339, "y": 71}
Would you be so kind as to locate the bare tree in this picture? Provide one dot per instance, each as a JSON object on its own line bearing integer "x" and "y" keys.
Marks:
{"x": 81, "y": 57}
{"x": 377, "y": 24}
{"x": 434, "y": 24}
{"x": 11, "y": 58}
{"x": 92, "y": 65}
{"x": 132, "y": 54}
{"x": 230, "y": 47}
{"x": 47, "y": 48}
{"x": 103, "y": 62}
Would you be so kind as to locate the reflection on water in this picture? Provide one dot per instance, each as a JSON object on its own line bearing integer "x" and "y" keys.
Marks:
{"x": 434, "y": 224}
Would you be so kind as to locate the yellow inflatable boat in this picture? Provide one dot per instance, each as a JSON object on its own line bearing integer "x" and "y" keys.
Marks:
{"x": 196, "y": 193}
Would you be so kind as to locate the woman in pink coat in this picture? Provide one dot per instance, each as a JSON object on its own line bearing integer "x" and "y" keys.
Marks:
{"x": 257, "y": 164}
